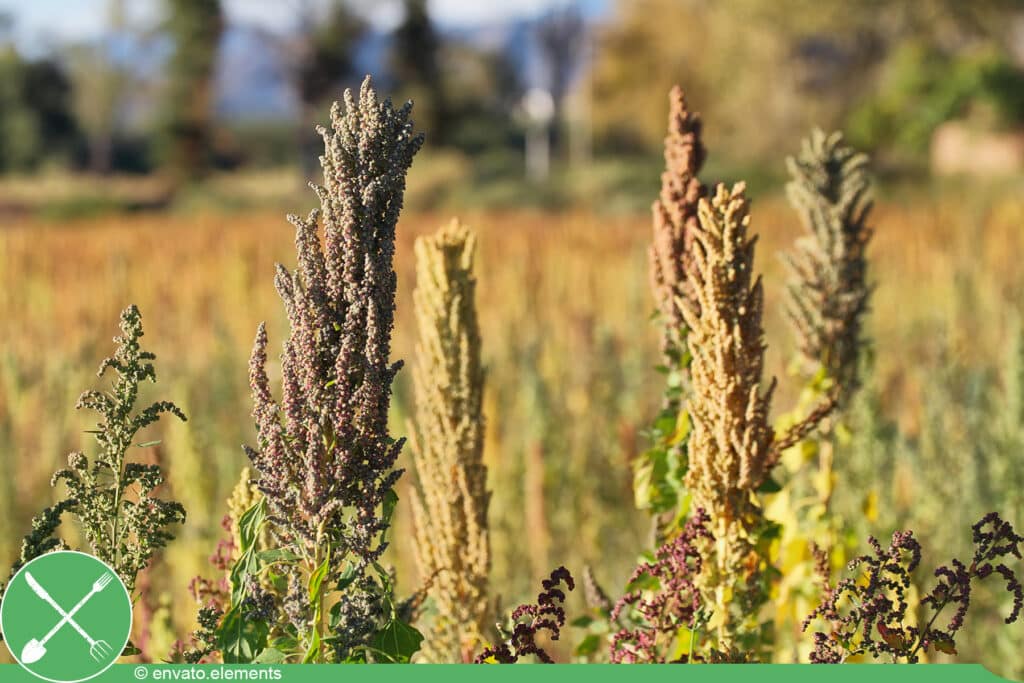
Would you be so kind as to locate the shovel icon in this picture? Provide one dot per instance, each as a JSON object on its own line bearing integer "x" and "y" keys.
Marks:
{"x": 35, "y": 649}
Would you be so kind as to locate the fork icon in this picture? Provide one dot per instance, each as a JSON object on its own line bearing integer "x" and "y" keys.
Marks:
{"x": 35, "y": 649}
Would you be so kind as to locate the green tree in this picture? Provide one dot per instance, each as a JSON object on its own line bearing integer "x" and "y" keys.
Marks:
{"x": 760, "y": 70}
{"x": 195, "y": 26}
{"x": 99, "y": 88}
{"x": 36, "y": 119}
{"x": 321, "y": 59}
{"x": 416, "y": 65}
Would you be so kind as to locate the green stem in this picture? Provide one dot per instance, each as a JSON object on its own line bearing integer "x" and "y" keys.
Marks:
{"x": 115, "y": 537}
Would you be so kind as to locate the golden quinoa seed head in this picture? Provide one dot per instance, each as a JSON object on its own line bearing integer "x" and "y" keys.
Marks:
{"x": 450, "y": 503}
{"x": 732, "y": 446}
{"x": 731, "y": 439}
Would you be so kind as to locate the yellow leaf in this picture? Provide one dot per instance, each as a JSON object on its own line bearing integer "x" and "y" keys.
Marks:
{"x": 870, "y": 506}
{"x": 683, "y": 637}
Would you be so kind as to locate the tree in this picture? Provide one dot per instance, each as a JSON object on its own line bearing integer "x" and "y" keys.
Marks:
{"x": 561, "y": 36}
{"x": 100, "y": 84}
{"x": 321, "y": 58}
{"x": 760, "y": 70}
{"x": 415, "y": 64}
{"x": 195, "y": 26}
{"x": 36, "y": 119}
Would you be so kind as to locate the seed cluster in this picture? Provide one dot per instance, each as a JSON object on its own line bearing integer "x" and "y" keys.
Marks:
{"x": 867, "y": 613}
{"x": 325, "y": 460}
{"x": 827, "y": 294}
{"x": 675, "y": 216}
{"x": 529, "y": 621}
{"x": 676, "y": 603}
{"x": 450, "y": 505}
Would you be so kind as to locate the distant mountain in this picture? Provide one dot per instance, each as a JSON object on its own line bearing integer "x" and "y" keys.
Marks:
{"x": 253, "y": 76}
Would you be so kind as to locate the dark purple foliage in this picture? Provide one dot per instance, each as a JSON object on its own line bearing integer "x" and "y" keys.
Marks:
{"x": 530, "y": 620}
{"x": 867, "y": 613}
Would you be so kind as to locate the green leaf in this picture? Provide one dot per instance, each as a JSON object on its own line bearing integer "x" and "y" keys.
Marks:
{"x": 398, "y": 641}
{"x": 347, "y": 577}
{"x": 147, "y": 444}
{"x": 285, "y": 644}
{"x": 588, "y": 646}
{"x": 247, "y": 563}
{"x": 388, "y": 506}
{"x": 666, "y": 424}
{"x": 316, "y": 580}
{"x": 250, "y": 522}
{"x": 769, "y": 485}
{"x": 277, "y": 555}
{"x": 644, "y": 582}
{"x": 241, "y": 640}
{"x": 769, "y": 531}
{"x": 582, "y": 622}
{"x": 270, "y": 656}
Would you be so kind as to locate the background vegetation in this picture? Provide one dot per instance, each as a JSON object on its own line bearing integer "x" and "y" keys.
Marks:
{"x": 107, "y": 198}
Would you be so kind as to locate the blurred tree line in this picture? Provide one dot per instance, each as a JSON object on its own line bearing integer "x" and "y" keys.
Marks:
{"x": 36, "y": 120}
{"x": 889, "y": 71}
{"x": 762, "y": 72}
{"x": 68, "y": 108}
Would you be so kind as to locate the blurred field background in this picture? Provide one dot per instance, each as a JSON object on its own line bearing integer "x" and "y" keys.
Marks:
{"x": 148, "y": 156}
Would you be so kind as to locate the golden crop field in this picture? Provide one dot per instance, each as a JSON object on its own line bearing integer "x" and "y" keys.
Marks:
{"x": 570, "y": 351}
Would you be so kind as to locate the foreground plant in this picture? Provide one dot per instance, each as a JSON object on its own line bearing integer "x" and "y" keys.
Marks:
{"x": 112, "y": 498}
{"x": 827, "y": 298}
{"x": 527, "y": 622}
{"x": 732, "y": 447}
{"x": 664, "y": 608}
{"x": 659, "y": 472}
{"x": 868, "y": 612}
{"x": 213, "y": 596}
{"x": 325, "y": 458}
{"x": 450, "y": 505}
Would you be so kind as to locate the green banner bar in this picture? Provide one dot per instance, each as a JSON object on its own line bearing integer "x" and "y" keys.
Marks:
{"x": 590, "y": 673}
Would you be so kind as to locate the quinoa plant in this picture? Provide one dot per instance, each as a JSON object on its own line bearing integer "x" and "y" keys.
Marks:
{"x": 111, "y": 497}
{"x": 827, "y": 294}
{"x": 528, "y": 621}
{"x": 213, "y": 595}
{"x": 827, "y": 297}
{"x": 732, "y": 448}
{"x": 450, "y": 504}
{"x": 868, "y": 612}
{"x": 659, "y": 472}
{"x": 661, "y": 615}
{"x": 325, "y": 459}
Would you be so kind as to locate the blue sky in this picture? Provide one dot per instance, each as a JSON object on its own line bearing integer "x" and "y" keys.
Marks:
{"x": 40, "y": 24}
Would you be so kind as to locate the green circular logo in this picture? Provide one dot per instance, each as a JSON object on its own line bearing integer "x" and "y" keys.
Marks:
{"x": 66, "y": 617}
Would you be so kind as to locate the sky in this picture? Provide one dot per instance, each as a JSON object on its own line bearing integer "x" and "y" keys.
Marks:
{"x": 41, "y": 24}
